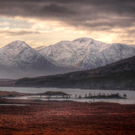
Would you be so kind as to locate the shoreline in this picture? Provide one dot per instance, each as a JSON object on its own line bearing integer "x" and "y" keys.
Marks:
{"x": 42, "y": 102}
{"x": 81, "y": 88}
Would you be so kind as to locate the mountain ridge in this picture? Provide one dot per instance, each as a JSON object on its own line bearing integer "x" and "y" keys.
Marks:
{"x": 109, "y": 55}
{"x": 18, "y": 59}
{"x": 85, "y": 53}
{"x": 69, "y": 53}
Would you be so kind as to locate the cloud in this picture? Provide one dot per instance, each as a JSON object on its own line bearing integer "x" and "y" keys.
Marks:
{"x": 74, "y": 12}
{"x": 17, "y": 33}
{"x": 55, "y": 9}
{"x": 87, "y": 15}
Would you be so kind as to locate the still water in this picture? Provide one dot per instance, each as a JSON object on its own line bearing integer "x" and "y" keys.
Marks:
{"x": 82, "y": 92}
{"x": 13, "y": 104}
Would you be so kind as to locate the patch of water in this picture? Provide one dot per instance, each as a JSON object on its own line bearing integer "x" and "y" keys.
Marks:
{"x": 73, "y": 92}
{"x": 13, "y": 104}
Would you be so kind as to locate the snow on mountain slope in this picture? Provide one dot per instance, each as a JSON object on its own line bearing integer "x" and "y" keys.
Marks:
{"x": 133, "y": 46}
{"x": 18, "y": 56}
{"x": 85, "y": 53}
{"x": 109, "y": 55}
{"x": 69, "y": 53}
{"x": 20, "y": 60}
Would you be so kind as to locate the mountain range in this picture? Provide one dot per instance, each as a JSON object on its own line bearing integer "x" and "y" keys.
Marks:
{"x": 18, "y": 59}
{"x": 85, "y": 53}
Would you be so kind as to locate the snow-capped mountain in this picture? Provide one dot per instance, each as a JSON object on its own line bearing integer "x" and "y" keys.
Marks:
{"x": 85, "y": 53}
{"x": 22, "y": 60}
{"x": 70, "y": 53}
{"x": 113, "y": 53}
{"x": 17, "y": 59}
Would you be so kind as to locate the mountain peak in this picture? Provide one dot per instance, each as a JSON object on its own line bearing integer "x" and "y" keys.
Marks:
{"x": 84, "y": 39}
{"x": 18, "y": 43}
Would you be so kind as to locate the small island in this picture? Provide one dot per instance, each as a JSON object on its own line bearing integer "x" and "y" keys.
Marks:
{"x": 106, "y": 96}
{"x": 61, "y": 95}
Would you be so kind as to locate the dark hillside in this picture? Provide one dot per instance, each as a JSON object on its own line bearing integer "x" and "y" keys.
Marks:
{"x": 118, "y": 75}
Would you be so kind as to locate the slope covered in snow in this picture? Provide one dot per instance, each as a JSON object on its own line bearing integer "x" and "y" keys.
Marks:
{"x": 20, "y": 58}
{"x": 17, "y": 59}
{"x": 85, "y": 53}
{"x": 70, "y": 53}
{"x": 113, "y": 53}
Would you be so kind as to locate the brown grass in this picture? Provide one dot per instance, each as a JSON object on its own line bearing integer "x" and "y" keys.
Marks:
{"x": 67, "y": 118}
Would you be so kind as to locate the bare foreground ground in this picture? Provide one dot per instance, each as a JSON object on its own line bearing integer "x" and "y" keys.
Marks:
{"x": 66, "y": 118}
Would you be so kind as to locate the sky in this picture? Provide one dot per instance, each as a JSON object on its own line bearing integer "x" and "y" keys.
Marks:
{"x": 46, "y": 22}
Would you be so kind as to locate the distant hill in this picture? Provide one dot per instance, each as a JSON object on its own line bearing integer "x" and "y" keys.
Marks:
{"x": 118, "y": 75}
